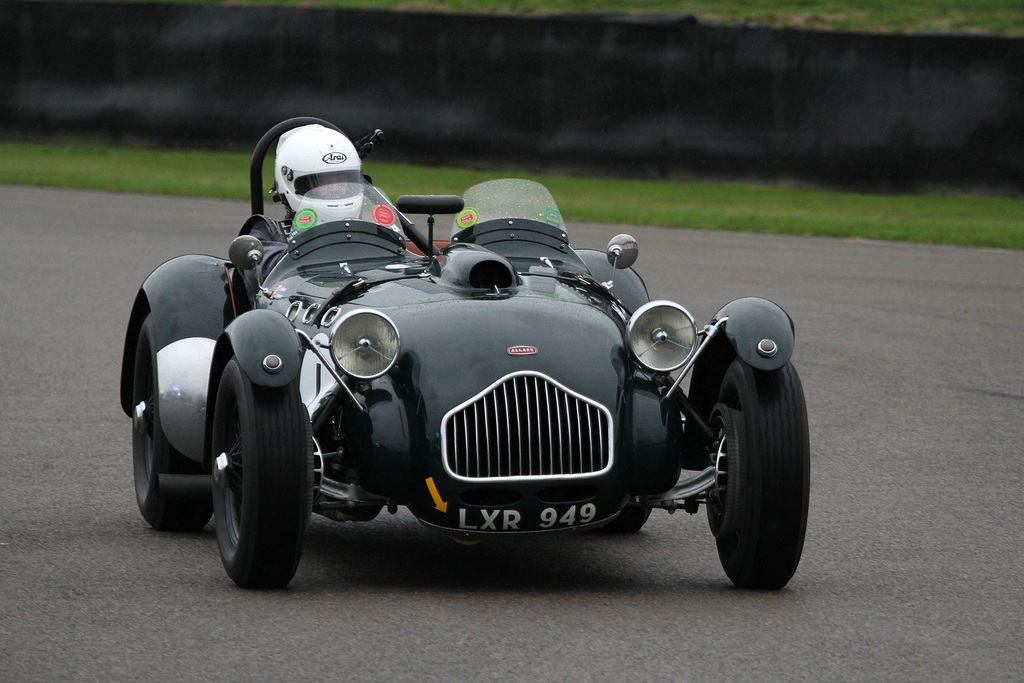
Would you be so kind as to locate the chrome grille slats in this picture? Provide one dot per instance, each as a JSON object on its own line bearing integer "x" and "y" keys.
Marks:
{"x": 526, "y": 425}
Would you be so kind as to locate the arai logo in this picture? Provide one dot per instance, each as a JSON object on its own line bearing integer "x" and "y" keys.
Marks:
{"x": 334, "y": 158}
{"x": 522, "y": 350}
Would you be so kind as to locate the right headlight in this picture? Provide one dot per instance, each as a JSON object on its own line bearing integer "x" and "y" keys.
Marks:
{"x": 365, "y": 343}
{"x": 661, "y": 335}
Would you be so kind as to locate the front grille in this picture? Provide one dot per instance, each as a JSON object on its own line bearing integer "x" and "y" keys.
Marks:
{"x": 526, "y": 425}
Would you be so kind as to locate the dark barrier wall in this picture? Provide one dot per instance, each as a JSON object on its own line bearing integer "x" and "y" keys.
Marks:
{"x": 660, "y": 95}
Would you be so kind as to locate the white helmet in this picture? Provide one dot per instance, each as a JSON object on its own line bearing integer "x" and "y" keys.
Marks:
{"x": 319, "y": 176}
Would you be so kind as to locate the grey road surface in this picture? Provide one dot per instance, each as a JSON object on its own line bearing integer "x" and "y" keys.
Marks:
{"x": 912, "y": 361}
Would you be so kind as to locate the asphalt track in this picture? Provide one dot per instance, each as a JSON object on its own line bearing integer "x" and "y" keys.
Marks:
{"x": 911, "y": 358}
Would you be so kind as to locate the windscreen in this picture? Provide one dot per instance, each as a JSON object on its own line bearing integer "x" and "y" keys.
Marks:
{"x": 507, "y": 198}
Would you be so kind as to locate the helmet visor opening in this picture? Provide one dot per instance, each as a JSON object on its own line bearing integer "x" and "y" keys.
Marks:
{"x": 331, "y": 185}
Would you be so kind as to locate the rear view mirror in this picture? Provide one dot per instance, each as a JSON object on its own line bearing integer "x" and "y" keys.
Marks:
{"x": 245, "y": 252}
{"x": 622, "y": 251}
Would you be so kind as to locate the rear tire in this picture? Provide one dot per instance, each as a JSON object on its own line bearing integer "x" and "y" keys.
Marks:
{"x": 153, "y": 455}
{"x": 263, "y": 498}
{"x": 760, "y": 524}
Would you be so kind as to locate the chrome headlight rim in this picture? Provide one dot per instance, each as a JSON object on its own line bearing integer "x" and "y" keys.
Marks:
{"x": 645, "y": 310}
{"x": 348, "y": 316}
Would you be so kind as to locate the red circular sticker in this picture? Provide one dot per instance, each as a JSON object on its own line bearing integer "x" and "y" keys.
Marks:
{"x": 383, "y": 215}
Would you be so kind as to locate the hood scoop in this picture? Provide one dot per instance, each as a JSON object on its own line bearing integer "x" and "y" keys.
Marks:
{"x": 467, "y": 265}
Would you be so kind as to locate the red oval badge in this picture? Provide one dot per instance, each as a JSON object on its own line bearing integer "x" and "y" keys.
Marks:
{"x": 522, "y": 350}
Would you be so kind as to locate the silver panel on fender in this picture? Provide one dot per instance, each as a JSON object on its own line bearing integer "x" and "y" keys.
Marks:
{"x": 526, "y": 426}
{"x": 183, "y": 373}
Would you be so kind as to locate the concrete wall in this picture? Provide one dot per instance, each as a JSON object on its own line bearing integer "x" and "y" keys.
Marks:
{"x": 657, "y": 95}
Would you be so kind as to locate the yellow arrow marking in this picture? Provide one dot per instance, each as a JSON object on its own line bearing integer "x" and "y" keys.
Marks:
{"x": 438, "y": 503}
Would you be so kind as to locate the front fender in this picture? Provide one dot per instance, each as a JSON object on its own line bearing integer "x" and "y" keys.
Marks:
{"x": 760, "y": 332}
{"x": 750, "y": 320}
{"x": 251, "y": 338}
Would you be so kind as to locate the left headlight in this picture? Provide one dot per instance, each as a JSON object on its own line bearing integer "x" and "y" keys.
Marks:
{"x": 661, "y": 335}
{"x": 365, "y": 343}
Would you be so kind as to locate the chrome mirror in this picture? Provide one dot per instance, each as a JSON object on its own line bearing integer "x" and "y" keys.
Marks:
{"x": 245, "y": 252}
{"x": 622, "y": 251}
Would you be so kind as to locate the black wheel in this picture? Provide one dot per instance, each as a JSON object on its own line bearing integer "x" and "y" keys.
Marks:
{"x": 726, "y": 499}
{"x": 630, "y": 520}
{"x": 153, "y": 455}
{"x": 263, "y": 479}
{"x": 758, "y": 510}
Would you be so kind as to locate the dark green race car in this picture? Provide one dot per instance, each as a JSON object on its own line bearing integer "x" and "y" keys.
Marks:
{"x": 503, "y": 384}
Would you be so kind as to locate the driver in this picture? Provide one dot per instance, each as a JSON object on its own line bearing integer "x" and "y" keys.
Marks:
{"x": 318, "y": 177}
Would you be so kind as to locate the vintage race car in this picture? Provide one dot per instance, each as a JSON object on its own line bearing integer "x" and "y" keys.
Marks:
{"x": 500, "y": 385}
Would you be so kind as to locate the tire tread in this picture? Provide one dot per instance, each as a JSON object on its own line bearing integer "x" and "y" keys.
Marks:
{"x": 765, "y": 552}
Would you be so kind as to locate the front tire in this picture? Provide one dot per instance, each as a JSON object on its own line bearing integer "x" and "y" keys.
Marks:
{"x": 759, "y": 517}
{"x": 264, "y": 481}
{"x": 152, "y": 453}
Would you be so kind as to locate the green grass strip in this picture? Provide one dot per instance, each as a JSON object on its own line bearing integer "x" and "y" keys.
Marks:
{"x": 928, "y": 218}
{"x": 1005, "y": 17}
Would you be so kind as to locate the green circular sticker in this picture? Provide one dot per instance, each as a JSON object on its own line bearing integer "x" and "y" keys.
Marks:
{"x": 304, "y": 220}
{"x": 467, "y": 218}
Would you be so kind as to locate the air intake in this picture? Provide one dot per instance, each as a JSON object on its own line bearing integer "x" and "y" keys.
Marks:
{"x": 526, "y": 426}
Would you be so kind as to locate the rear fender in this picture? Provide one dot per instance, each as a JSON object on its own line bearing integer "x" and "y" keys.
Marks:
{"x": 190, "y": 302}
{"x": 188, "y": 296}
